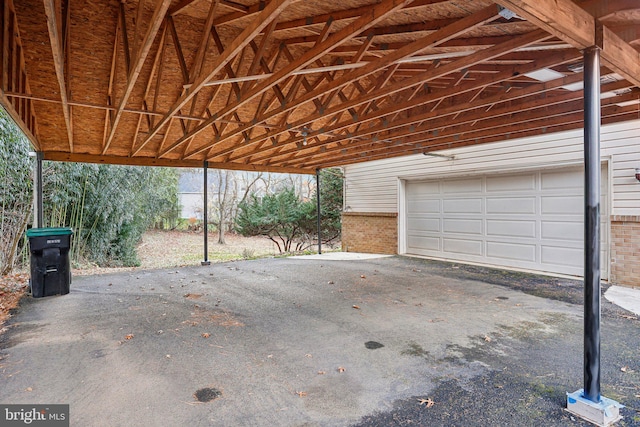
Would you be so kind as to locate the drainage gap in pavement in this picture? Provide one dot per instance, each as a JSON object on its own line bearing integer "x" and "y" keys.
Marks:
{"x": 373, "y": 345}
{"x": 207, "y": 394}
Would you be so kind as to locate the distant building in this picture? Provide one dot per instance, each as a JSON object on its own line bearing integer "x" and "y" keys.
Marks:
{"x": 191, "y": 185}
{"x": 190, "y": 195}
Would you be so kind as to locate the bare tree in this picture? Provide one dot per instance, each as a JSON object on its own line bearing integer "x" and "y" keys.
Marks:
{"x": 301, "y": 184}
{"x": 14, "y": 222}
{"x": 249, "y": 182}
{"x": 228, "y": 188}
{"x": 15, "y": 191}
{"x": 227, "y": 193}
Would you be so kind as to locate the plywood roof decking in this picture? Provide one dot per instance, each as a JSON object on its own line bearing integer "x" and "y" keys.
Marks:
{"x": 295, "y": 85}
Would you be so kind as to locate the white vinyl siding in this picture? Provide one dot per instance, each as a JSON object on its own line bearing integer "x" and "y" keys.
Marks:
{"x": 373, "y": 186}
{"x": 378, "y": 187}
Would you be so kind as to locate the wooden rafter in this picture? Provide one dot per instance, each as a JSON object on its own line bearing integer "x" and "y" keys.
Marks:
{"x": 475, "y": 113}
{"x": 108, "y": 119}
{"x": 571, "y": 23}
{"x": 52, "y": 11}
{"x": 196, "y": 68}
{"x": 526, "y": 125}
{"x": 484, "y": 16}
{"x": 156, "y": 66}
{"x": 139, "y": 161}
{"x": 270, "y": 12}
{"x": 136, "y": 65}
{"x": 374, "y": 15}
{"x": 420, "y": 79}
{"x": 294, "y": 85}
{"x": 438, "y": 96}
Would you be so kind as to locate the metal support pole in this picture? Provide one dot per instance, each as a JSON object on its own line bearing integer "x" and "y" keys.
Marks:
{"x": 39, "y": 204}
{"x": 592, "y": 224}
{"x": 205, "y": 215}
{"x": 319, "y": 211}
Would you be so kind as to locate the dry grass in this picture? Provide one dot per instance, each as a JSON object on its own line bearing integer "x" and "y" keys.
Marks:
{"x": 163, "y": 249}
{"x": 166, "y": 249}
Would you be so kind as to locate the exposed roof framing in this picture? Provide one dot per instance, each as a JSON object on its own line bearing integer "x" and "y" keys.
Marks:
{"x": 292, "y": 86}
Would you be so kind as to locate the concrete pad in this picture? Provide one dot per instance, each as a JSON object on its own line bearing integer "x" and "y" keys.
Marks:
{"x": 341, "y": 256}
{"x": 627, "y": 298}
{"x": 290, "y": 342}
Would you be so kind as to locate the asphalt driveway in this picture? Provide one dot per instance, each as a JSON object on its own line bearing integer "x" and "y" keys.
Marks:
{"x": 307, "y": 342}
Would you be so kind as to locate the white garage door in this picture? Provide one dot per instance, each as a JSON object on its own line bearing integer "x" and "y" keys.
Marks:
{"x": 530, "y": 220}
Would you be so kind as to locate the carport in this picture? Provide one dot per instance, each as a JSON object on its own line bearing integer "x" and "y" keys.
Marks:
{"x": 293, "y": 86}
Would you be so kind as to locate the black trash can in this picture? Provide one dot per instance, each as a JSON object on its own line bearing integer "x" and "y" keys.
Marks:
{"x": 50, "y": 264}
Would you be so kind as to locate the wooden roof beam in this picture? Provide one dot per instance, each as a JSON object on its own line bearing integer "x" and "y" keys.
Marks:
{"x": 108, "y": 117}
{"x": 137, "y": 63}
{"x": 569, "y": 22}
{"x": 428, "y": 26}
{"x": 606, "y": 9}
{"x": 477, "y": 117}
{"x": 310, "y": 20}
{"x": 373, "y": 15}
{"x": 385, "y": 113}
{"x": 151, "y": 161}
{"x": 156, "y": 66}
{"x": 196, "y": 68}
{"x": 618, "y": 55}
{"x": 51, "y": 8}
{"x": 428, "y": 75}
{"x": 535, "y": 125}
{"x": 264, "y": 18}
{"x": 152, "y": 113}
{"x": 407, "y": 126}
{"x": 529, "y": 124}
{"x": 244, "y": 10}
{"x": 14, "y": 57}
{"x": 455, "y": 29}
{"x": 461, "y": 44}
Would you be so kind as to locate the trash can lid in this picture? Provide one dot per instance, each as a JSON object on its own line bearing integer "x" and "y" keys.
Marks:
{"x": 49, "y": 231}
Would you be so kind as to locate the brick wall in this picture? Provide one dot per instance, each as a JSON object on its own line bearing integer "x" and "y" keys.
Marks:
{"x": 625, "y": 250}
{"x": 370, "y": 232}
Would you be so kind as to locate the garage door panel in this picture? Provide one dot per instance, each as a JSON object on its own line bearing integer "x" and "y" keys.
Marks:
{"x": 423, "y": 206}
{"x": 461, "y": 186}
{"x": 562, "y": 180}
{"x": 422, "y": 243}
{"x": 511, "y": 205}
{"x": 511, "y": 251}
{"x": 463, "y": 226}
{"x": 562, "y": 256}
{"x": 562, "y": 230}
{"x": 531, "y": 220}
{"x": 511, "y": 183}
{"x": 462, "y": 246}
{"x": 511, "y": 228}
{"x": 424, "y": 187}
{"x": 463, "y": 206}
{"x": 565, "y": 205}
{"x": 418, "y": 224}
